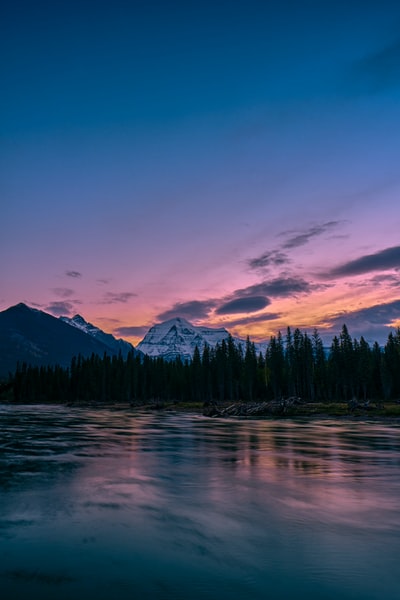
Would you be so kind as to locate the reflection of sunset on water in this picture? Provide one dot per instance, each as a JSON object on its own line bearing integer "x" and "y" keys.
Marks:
{"x": 245, "y": 507}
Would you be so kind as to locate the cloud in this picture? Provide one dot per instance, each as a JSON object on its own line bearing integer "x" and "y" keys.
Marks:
{"x": 387, "y": 278}
{"x": 117, "y": 297}
{"x": 134, "y": 330}
{"x": 302, "y": 238}
{"x": 60, "y": 308}
{"x": 194, "y": 309}
{"x": 104, "y": 281}
{"x": 381, "y": 314}
{"x": 273, "y": 258}
{"x": 247, "y": 304}
{"x": 378, "y": 71}
{"x": 279, "y": 287}
{"x": 63, "y": 292}
{"x": 268, "y": 259}
{"x": 252, "y": 319}
{"x": 373, "y": 322}
{"x": 245, "y": 300}
{"x": 74, "y": 274}
{"x": 380, "y": 261}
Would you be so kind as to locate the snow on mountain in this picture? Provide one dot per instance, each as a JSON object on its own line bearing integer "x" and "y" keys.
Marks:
{"x": 109, "y": 340}
{"x": 80, "y": 323}
{"x": 178, "y": 337}
{"x": 170, "y": 339}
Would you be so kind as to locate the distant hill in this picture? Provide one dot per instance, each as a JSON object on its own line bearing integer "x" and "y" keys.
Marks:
{"x": 35, "y": 337}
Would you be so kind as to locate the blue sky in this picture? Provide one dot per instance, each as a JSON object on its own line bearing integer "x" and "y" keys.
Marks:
{"x": 236, "y": 163}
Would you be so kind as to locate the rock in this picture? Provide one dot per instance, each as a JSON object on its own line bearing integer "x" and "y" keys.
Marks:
{"x": 211, "y": 410}
{"x": 253, "y": 409}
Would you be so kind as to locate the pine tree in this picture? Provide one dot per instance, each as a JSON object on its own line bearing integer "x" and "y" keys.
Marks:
{"x": 347, "y": 363}
{"x": 275, "y": 365}
{"x": 320, "y": 367}
{"x": 363, "y": 358}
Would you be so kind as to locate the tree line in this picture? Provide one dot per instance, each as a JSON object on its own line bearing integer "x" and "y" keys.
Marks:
{"x": 296, "y": 364}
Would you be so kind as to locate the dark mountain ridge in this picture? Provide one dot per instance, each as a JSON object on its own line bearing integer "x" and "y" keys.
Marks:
{"x": 37, "y": 338}
{"x": 115, "y": 345}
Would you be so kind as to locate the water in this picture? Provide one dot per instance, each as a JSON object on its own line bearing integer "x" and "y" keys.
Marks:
{"x": 98, "y": 504}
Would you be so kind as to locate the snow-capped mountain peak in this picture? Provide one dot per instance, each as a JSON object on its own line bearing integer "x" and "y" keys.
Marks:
{"x": 79, "y": 322}
{"x": 177, "y": 337}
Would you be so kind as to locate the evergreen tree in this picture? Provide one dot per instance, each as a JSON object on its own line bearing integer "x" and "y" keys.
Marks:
{"x": 250, "y": 370}
{"x": 225, "y": 373}
{"x": 334, "y": 368}
{"x": 320, "y": 367}
{"x": 347, "y": 363}
{"x": 196, "y": 376}
{"x": 275, "y": 366}
{"x": 363, "y": 359}
{"x": 290, "y": 363}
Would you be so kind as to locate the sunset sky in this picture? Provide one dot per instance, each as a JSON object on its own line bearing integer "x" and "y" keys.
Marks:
{"x": 233, "y": 163}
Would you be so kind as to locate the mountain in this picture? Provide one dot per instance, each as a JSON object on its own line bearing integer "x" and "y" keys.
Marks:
{"x": 37, "y": 338}
{"x": 115, "y": 346}
{"x": 178, "y": 337}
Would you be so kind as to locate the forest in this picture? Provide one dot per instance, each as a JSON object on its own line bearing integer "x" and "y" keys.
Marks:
{"x": 296, "y": 364}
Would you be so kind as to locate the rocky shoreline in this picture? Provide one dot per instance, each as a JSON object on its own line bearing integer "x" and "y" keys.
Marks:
{"x": 296, "y": 407}
{"x": 253, "y": 409}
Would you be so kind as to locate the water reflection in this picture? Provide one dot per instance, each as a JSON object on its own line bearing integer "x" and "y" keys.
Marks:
{"x": 101, "y": 502}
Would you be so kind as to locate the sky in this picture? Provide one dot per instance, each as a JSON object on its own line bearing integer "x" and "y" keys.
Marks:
{"x": 233, "y": 163}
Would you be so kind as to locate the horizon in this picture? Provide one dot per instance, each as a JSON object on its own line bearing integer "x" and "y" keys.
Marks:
{"x": 232, "y": 164}
{"x": 325, "y": 337}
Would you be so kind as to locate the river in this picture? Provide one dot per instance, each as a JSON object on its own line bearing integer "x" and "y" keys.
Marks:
{"x": 103, "y": 503}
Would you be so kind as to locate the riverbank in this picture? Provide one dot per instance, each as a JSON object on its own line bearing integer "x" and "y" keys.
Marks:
{"x": 291, "y": 407}
{"x": 274, "y": 409}
{"x": 285, "y": 408}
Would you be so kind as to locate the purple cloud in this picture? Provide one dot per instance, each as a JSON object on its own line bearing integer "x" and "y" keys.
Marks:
{"x": 246, "y": 300}
{"x": 278, "y": 287}
{"x": 63, "y": 292}
{"x": 268, "y": 259}
{"x": 73, "y": 274}
{"x": 60, "y": 308}
{"x": 252, "y": 319}
{"x": 247, "y": 304}
{"x": 372, "y": 322}
{"x": 302, "y": 238}
{"x": 193, "y": 309}
{"x": 379, "y": 261}
{"x": 117, "y": 297}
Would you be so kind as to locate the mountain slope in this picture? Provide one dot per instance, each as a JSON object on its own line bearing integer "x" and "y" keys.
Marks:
{"x": 35, "y": 337}
{"x": 115, "y": 346}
